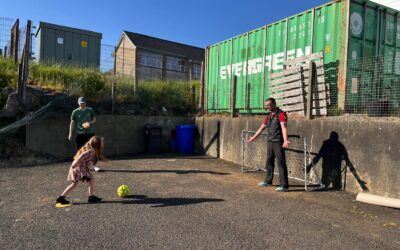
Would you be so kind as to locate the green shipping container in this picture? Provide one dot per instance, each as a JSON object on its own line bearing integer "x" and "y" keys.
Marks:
{"x": 346, "y": 31}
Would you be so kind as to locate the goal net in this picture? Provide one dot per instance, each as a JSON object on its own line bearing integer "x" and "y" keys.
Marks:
{"x": 254, "y": 154}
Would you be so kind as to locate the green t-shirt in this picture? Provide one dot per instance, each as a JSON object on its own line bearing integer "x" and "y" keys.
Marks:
{"x": 82, "y": 116}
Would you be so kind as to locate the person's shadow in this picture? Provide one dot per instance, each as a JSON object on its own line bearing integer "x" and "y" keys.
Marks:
{"x": 333, "y": 153}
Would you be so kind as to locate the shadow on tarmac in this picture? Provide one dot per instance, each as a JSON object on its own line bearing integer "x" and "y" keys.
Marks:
{"x": 155, "y": 202}
{"x": 165, "y": 171}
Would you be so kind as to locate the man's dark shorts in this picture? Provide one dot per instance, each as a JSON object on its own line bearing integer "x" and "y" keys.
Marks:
{"x": 81, "y": 139}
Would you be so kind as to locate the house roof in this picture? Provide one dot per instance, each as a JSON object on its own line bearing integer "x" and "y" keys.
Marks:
{"x": 165, "y": 46}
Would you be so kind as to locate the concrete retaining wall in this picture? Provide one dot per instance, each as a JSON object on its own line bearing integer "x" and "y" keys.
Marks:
{"x": 123, "y": 134}
{"x": 373, "y": 146}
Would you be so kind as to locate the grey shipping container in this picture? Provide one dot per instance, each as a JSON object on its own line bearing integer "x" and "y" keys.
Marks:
{"x": 65, "y": 45}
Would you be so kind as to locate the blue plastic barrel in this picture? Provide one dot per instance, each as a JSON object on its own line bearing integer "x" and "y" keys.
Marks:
{"x": 185, "y": 138}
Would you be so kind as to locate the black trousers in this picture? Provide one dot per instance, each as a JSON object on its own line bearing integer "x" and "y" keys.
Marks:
{"x": 81, "y": 139}
{"x": 275, "y": 150}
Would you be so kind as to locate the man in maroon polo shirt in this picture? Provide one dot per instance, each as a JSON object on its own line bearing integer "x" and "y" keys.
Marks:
{"x": 276, "y": 124}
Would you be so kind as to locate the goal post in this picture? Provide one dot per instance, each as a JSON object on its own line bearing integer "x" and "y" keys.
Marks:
{"x": 254, "y": 154}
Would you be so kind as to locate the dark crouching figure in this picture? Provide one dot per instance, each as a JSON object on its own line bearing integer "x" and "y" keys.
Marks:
{"x": 333, "y": 152}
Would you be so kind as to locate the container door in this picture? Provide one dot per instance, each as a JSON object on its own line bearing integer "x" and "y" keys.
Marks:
{"x": 396, "y": 90}
{"x": 76, "y": 44}
{"x": 84, "y": 41}
{"x": 373, "y": 44}
{"x": 60, "y": 46}
{"x": 48, "y": 45}
{"x": 238, "y": 69}
{"x": 93, "y": 55}
{"x": 254, "y": 95}
{"x": 358, "y": 85}
{"x": 224, "y": 80}
{"x": 212, "y": 75}
{"x": 388, "y": 51}
{"x": 68, "y": 45}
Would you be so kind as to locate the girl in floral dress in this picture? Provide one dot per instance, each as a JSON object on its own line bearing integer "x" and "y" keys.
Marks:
{"x": 85, "y": 158}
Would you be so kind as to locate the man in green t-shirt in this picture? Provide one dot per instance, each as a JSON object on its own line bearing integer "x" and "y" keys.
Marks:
{"x": 82, "y": 119}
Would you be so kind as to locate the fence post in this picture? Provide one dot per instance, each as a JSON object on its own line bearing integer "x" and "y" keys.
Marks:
{"x": 27, "y": 57}
{"x": 311, "y": 77}
{"x": 113, "y": 82}
{"x": 193, "y": 89}
{"x": 14, "y": 46}
{"x": 23, "y": 67}
{"x": 19, "y": 84}
{"x": 233, "y": 96}
{"x": 190, "y": 73}
{"x": 201, "y": 93}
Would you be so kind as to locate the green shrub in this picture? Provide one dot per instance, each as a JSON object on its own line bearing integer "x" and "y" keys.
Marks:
{"x": 8, "y": 73}
{"x": 173, "y": 95}
{"x": 125, "y": 90}
{"x": 96, "y": 86}
{"x": 74, "y": 80}
{"x": 91, "y": 82}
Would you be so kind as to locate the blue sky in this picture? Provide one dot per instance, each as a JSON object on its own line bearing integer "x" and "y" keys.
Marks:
{"x": 198, "y": 23}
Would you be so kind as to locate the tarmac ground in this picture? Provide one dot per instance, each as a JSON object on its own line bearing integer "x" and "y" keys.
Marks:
{"x": 180, "y": 202}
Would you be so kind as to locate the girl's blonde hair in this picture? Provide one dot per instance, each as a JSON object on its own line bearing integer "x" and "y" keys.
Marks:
{"x": 96, "y": 143}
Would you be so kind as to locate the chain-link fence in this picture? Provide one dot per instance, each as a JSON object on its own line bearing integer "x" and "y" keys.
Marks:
{"x": 368, "y": 86}
{"x": 148, "y": 65}
{"x": 373, "y": 86}
{"x": 107, "y": 58}
{"x": 11, "y": 42}
{"x": 169, "y": 82}
{"x": 127, "y": 80}
{"x": 5, "y": 35}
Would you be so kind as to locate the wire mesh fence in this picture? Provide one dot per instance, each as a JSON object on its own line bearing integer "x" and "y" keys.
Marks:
{"x": 367, "y": 86}
{"x": 172, "y": 83}
{"x": 144, "y": 65}
{"x": 121, "y": 79}
{"x": 123, "y": 83}
{"x": 107, "y": 58}
{"x": 156, "y": 81}
{"x": 373, "y": 86}
{"x": 5, "y": 35}
{"x": 8, "y": 42}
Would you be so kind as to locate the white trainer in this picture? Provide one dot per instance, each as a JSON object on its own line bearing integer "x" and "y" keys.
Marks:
{"x": 97, "y": 169}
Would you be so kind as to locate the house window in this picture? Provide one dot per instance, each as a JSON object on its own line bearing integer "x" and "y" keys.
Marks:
{"x": 196, "y": 71}
{"x": 174, "y": 64}
{"x": 150, "y": 59}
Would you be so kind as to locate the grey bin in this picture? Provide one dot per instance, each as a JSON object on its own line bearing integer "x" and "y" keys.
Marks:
{"x": 153, "y": 138}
